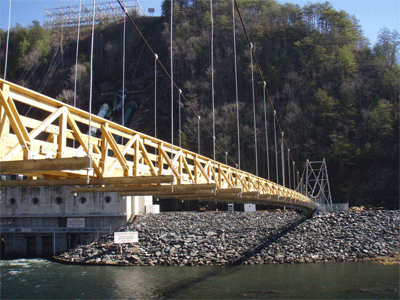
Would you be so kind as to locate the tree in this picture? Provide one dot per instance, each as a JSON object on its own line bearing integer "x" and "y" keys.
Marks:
{"x": 388, "y": 46}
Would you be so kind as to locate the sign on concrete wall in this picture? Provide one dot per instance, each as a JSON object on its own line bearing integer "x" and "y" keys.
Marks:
{"x": 75, "y": 222}
{"x": 126, "y": 237}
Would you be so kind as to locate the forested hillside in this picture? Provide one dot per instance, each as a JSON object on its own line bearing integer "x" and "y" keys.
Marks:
{"x": 336, "y": 96}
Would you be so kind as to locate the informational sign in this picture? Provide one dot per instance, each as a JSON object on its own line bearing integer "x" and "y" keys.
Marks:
{"x": 75, "y": 222}
{"x": 249, "y": 207}
{"x": 126, "y": 237}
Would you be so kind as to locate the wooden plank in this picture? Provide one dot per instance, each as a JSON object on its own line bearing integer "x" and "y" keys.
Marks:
{"x": 42, "y": 165}
{"x": 183, "y": 188}
{"x": 228, "y": 191}
{"x": 250, "y": 194}
{"x": 93, "y": 181}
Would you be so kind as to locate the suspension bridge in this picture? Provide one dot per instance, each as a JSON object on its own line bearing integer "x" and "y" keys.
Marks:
{"x": 54, "y": 146}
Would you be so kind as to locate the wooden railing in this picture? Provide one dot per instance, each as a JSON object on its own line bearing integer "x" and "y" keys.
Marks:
{"x": 51, "y": 146}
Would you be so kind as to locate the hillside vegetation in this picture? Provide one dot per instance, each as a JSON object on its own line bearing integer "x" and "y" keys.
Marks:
{"x": 336, "y": 96}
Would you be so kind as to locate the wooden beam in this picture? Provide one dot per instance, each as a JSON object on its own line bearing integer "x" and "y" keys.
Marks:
{"x": 78, "y": 136}
{"x": 93, "y": 181}
{"x": 150, "y": 189}
{"x": 222, "y": 192}
{"x": 250, "y": 194}
{"x": 42, "y": 165}
{"x": 15, "y": 120}
{"x": 115, "y": 148}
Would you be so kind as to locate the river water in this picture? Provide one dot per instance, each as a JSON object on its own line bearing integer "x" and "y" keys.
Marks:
{"x": 42, "y": 279}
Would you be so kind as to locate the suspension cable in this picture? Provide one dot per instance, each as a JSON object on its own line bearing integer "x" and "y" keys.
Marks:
{"x": 91, "y": 77}
{"x": 76, "y": 57}
{"x": 212, "y": 77}
{"x": 8, "y": 39}
{"x": 276, "y": 149}
{"x": 259, "y": 68}
{"x": 283, "y": 161}
{"x": 180, "y": 120}
{"x": 254, "y": 107}
{"x": 198, "y": 134}
{"x": 294, "y": 174}
{"x": 266, "y": 130}
{"x": 77, "y": 52}
{"x": 288, "y": 170}
{"x": 155, "y": 96}
{"x": 236, "y": 83}
{"x": 170, "y": 77}
{"x": 172, "y": 83}
{"x": 91, "y": 91}
{"x": 123, "y": 76}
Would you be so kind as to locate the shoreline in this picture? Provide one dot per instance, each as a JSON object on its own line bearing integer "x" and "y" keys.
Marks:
{"x": 196, "y": 239}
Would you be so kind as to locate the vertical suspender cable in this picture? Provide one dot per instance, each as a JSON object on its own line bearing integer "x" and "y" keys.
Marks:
{"x": 172, "y": 84}
{"x": 266, "y": 130}
{"x": 91, "y": 88}
{"x": 276, "y": 149}
{"x": 77, "y": 52}
{"x": 212, "y": 76}
{"x": 289, "y": 184}
{"x": 91, "y": 77}
{"x": 76, "y": 57}
{"x": 123, "y": 76}
{"x": 294, "y": 175}
{"x": 180, "y": 120}
{"x": 155, "y": 95}
{"x": 236, "y": 82}
{"x": 198, "y": 134}
{"x": 283, "y": 162}
{"x": 8, "y": 38}
{"x": 254, "y": 107}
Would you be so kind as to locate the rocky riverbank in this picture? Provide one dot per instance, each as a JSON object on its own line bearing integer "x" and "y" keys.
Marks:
{"x": 195, "y": 239}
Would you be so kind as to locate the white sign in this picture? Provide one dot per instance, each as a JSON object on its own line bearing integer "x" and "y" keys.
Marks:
{"x": 75, "y": 222}
{"x": 126, "y": 237}
{"x": 249, "y": 207}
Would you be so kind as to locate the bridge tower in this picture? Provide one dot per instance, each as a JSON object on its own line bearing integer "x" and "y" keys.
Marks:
{"x": 317, "y": 184}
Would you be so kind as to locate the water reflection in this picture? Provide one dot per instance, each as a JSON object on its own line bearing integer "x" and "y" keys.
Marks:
{"x": 42, "y": 279}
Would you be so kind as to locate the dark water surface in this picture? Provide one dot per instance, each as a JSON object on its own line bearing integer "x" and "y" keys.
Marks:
{"x": 42, "y": 279}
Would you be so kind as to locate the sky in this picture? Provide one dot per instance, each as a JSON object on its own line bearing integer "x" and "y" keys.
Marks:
{"x": 373, "y": 15}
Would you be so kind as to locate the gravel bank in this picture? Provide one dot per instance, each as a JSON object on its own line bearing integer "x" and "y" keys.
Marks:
{"x": 194, "y": 239}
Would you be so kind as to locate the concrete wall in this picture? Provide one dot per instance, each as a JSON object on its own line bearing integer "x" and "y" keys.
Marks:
{"x": 34, "y": 220}
{"x": 59, "y": 201}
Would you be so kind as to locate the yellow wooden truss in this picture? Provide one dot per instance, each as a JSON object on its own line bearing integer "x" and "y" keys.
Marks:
{"x": 51, "y": 148}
